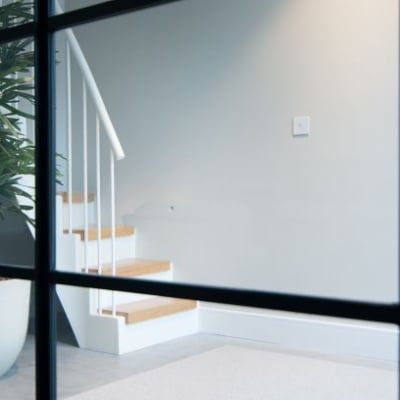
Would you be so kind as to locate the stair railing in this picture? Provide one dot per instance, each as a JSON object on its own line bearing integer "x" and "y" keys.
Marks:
{"x": 116, "y": 153}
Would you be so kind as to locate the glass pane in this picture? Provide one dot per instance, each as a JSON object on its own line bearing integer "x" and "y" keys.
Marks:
{"x": 17, "y": 153}
{"x": 153, "y": 350}
{"x": 13, "y": 13}
{"x": 17, "y": 342}
{"x": 215, "y": 179}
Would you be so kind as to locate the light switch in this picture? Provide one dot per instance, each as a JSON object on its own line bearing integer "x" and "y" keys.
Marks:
{"x": 301, "y": 126}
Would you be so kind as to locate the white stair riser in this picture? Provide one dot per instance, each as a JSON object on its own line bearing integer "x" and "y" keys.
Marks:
{"x": 148, "y": 333}
{"x": 165, "y": 276}
{"x": 125, "y": 297}
{"x": 67, "y": 252}
{"x": 112, "y": 335}
{"x": 78, "y": 215}
{"x": 102, "y": 334}
{"x": 119, "y": 298}
{"x": 124, "y": 248}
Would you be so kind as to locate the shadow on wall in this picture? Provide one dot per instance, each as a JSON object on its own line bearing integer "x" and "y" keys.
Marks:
{"x": 16, "y": 242}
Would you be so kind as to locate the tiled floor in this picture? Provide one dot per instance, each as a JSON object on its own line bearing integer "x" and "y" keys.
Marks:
{"x": 79, "y": 370}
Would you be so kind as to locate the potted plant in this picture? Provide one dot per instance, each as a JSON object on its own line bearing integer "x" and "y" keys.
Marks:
{"x": 17, "y": 161}
{"x": 17, "y": 153}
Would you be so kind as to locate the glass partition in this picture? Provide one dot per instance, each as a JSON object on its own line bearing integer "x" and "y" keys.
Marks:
{"x": 243, "y": 145}
{"x": 17, "y": 204}
{"x": 17, "y": 152}
{"x": 17, "y": 344}
{"x": 156, "y": 357}
{"x": 252, "y": 157}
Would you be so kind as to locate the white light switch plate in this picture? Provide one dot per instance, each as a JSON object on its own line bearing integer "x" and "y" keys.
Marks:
{"x": 301, "y": 126}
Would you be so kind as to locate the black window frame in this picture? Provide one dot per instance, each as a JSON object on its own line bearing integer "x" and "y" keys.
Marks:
{"x": 46, "y": 277}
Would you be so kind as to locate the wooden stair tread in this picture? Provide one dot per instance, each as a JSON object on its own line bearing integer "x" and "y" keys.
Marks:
{"x": 76, "y": 197}
{"x": 134, "y": 266}
{"x": 155, "y": 307}
{"x": 120, "y": 230}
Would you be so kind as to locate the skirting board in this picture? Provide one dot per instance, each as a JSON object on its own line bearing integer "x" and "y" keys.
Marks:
{"x": 299, "y": 331}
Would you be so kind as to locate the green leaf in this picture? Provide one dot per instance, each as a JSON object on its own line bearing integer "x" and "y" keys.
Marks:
{"x": 17, "y": 152}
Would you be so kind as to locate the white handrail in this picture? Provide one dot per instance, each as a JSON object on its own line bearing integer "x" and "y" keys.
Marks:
{"x": 98, "y": 100}
{"x": 94, "y": 90}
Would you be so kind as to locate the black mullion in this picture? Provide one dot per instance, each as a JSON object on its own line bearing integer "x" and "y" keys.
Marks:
{"x": 398, "y": 197}
{"x": 17, "y": 271}
{"x": 17, "y": 32}
{"x": 45, "y": 205}
{"x": 102, "y": 11}
{"x": 367, "y": 311}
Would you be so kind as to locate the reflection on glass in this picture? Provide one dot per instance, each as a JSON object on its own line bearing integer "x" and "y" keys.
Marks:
{"x": 13, "y": 13}
{"x": 17, "y": 152}
{"x": 71, "y": 5}
{"x": 17, "y": 357}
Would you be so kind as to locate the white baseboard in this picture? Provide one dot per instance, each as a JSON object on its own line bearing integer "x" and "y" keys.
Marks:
{"x": 299, "y": 331}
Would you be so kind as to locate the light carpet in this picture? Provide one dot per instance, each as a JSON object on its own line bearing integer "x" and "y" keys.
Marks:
{"x": 238, "y": 373}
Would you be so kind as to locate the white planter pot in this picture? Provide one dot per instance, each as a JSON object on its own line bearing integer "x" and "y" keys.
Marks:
{"x": 14, "y": 314}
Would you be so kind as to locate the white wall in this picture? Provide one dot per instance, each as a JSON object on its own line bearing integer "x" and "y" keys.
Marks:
{"x": 203, "y": 92}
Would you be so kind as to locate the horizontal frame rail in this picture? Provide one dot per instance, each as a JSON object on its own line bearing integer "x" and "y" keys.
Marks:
{"x": 366, "y": 311}
{"x": 82, "y": 16}
{"x": 17, "y": 32}
{"x": 101, "y": 11}
{"x": 17, "y": 271}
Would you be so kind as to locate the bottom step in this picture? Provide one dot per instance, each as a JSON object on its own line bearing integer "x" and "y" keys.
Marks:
{"x": 147, "y": 309}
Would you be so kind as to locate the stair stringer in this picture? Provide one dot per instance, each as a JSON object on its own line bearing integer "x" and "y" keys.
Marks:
{"x": 103, "y": 333}
{"x": 74, "y": 300}
{"x": 91, "y": 331}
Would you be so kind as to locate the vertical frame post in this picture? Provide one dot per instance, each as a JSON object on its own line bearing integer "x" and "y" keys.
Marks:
{"x": 45, "y": 205}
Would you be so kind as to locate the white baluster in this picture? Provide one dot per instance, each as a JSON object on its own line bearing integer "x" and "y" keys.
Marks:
{"x": 85, "y": 177}
{"x": 113, "y": 257}
{"x": 69, "y": 137}
{"x": 98, "y": 203}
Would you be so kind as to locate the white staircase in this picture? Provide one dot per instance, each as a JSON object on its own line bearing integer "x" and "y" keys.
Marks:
{"x": 114, "y": 322}
{"x": 137, "y": 320}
